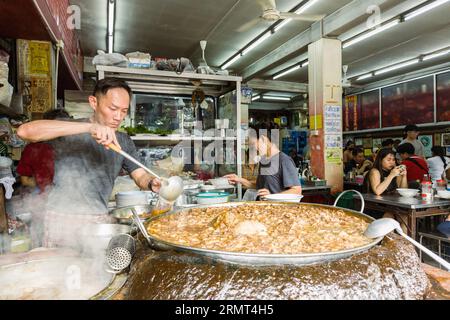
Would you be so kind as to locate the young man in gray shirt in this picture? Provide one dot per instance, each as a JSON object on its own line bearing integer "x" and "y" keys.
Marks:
{"x": 277, "y": 171}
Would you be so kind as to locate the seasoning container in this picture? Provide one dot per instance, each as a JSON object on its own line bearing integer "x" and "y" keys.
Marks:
{"x": 427, "y": 188}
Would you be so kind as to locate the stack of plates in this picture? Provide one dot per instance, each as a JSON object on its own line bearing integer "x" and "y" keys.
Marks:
{"x": 132, "y": 198}
{"x": 283, "y": 197}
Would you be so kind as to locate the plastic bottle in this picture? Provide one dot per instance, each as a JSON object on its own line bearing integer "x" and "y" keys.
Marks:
{"x": 427, "y": 188}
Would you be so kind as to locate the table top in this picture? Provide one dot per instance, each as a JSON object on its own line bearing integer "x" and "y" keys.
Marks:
{"x": 405, "y": 202}
{"x": 353, "y": 183}
{"x": 311, "y": 188}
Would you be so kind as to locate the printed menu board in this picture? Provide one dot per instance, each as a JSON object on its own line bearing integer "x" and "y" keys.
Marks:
{"x": 350, "y": 113}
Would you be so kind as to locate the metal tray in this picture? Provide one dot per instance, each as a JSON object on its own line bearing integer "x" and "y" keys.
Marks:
{"x": 255, "y": 259}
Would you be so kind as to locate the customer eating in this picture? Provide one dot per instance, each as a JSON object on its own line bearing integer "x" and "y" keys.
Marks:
{"x": 276, "y": 173}
{"x": 416, "y": 166}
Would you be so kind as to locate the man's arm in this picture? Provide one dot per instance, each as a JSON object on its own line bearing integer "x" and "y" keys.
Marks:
{"x": 44, "y": 130}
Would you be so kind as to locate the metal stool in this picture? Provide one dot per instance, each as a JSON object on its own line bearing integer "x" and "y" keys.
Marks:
{"x": 435, "y": 236}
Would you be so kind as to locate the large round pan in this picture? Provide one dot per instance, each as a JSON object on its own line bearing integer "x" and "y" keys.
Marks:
{"x": 264, "y": 259}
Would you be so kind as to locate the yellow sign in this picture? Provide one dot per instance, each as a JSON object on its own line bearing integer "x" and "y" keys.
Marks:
{"x": 315, "y": 121}
{"x": 39, "y": 58}
{"x": 333, "y": 155}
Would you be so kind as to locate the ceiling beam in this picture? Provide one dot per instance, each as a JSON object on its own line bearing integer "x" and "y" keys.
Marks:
{"x": 281, "y": 86}
{"x": 330, "y": 24}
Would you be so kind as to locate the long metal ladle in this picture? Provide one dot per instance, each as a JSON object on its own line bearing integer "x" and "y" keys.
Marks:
{"x": 381, "y": 227}
{"x": 171, "y": 188}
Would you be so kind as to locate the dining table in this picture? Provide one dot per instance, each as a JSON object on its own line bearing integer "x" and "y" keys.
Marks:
{"x": 406, "y": 209}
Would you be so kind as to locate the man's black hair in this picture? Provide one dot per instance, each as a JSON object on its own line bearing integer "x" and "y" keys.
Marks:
{"x": 357, "y": 150}
{"x": 103, "y": 86}
{"x": 387, "y": 143}
{"x": 411, "y": 127}
{"x": 264, "y": 129}
{"x": 406, "y": 148}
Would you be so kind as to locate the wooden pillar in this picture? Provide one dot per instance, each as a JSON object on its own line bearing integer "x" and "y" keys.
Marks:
{"x": 325, "y": 110}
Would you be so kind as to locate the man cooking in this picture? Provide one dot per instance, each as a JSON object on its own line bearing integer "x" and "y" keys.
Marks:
{"x": 85, "y": 168}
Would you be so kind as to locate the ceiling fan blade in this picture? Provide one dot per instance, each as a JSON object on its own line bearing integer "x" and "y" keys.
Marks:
{"x": 248, "y": 25}
{"x": 303, "y": 17}
{"x": 267, "y": 4}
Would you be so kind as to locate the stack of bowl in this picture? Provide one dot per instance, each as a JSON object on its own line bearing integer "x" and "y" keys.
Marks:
{"x": 132, "y": 198}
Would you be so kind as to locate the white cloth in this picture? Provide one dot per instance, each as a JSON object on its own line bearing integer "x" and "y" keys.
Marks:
{"x": 418, "y": 147}
{"x": 8, "y": 184}
{"x": 436, "y": 167}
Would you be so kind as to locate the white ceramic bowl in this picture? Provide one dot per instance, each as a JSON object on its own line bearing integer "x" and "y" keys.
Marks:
{"x": 445, "y": 194}
{"x": 407, "y": 192}
{"x": 212, "y": 197}
{"x": 282, "y": 197}
{"x": 132, "y": 198}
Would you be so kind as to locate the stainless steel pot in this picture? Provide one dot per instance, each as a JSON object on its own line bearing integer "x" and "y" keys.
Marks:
{"x": 125, "y": 216}
{"x": 57, "y": 278}
{"x": 265, "y": 259}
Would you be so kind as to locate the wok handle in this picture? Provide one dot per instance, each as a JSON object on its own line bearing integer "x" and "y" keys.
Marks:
{"x": 357, "y": 192}
{"x": 141, "y": 227}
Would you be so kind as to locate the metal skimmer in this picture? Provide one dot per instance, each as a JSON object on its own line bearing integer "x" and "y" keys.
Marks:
{"x": 120, "y": 251}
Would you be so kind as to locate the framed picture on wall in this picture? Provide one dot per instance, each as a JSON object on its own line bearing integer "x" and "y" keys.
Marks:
{"x": 437, "y": 139}
{"x": 445, "y": 139}
{"x": 427, "y": 141}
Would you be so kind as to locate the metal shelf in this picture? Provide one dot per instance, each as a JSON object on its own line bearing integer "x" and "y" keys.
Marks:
{"x": 172, "y": 83}
{"x": 180, "y": 138}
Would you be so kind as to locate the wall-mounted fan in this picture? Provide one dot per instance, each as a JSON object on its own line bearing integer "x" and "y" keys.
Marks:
{"x": 270, "y": 13}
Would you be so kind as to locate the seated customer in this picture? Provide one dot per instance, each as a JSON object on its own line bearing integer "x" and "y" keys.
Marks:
{"x": 276, "y": 172}
{"x": 359, "y": 162}
{"x": 416, "y": 166}
{"x": 385, "y": 177}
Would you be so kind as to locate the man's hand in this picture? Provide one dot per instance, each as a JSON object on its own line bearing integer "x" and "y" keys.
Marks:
{"x": 232, "y": 178}
{"x": 155, "y": 185}
{"x": 263, "y": 192}
{"x": 104, "y": 135}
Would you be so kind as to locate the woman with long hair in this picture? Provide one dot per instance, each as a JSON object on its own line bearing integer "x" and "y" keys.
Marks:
{"x": 385, "y": 176}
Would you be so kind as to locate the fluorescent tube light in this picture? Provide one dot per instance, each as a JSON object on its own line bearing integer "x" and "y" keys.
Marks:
{"x": 286, "y": 72}
{"x": 306, "y": 6}
{"x": 397, "y": 66}
{"x": 435, "y": 55}
{"x": 282, "y": 24}
{"x": 371, "y": 33}
{"x": 229, "y": 63}
{"x": 304, "y": 64}
{"x": 111, "y": 16}
{"x": 256, "y": 97}
{"x": 424, "y": 9}
{"x": 110, "y": 44}
{"x": 257, "y": 42}
{"x": 365, "y": 76}
{"x": 276, "y": 98}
